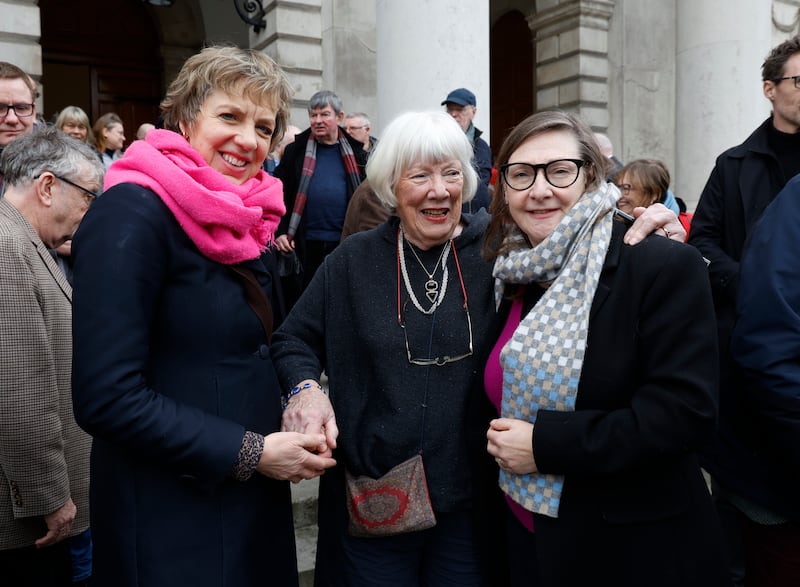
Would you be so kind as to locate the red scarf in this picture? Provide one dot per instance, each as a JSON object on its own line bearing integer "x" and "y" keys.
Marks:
{"x": 229, "y": 223}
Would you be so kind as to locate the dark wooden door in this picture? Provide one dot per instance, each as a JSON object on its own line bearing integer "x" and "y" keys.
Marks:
{"x": 102, "y": 56}
{"x": 512, "y": 75}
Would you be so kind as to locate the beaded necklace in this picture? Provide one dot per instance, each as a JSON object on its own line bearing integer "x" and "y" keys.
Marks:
{"x": 431, "y": 286}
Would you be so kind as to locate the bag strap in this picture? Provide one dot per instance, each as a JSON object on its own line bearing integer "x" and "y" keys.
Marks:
{"x": 256, "y": 298}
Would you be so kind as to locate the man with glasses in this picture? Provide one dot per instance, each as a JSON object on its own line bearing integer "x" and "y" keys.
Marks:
{"x": 749, "y": 485}
{"x": 357, "y": 126}
{"x": 461, "y": 105}
{"x": 44, "y": 456}
{"x": 17, "y": 106}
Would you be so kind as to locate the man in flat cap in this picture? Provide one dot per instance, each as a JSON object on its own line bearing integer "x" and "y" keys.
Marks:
{"x": 461, "y": 105}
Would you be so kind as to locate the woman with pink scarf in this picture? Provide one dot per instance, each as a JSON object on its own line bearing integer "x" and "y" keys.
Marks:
{"x": 172, "y": 371}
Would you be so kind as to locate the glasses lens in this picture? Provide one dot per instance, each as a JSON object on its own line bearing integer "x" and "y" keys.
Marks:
{"x": 519, "y": 176}
{"x": 19, "y": 109}
{"x": 458, "y": 337}
{"x": 562, "y": 173}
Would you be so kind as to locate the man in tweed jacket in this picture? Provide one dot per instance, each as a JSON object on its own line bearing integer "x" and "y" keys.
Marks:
{"x": 44, "y": 456}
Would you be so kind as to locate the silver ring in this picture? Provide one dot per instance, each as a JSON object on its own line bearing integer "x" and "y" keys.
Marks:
{"x": 666, "y": 232}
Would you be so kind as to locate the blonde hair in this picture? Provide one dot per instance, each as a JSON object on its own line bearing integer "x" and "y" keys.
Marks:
{"x": 77, "y": 116}
{"x": 231, "y": 70}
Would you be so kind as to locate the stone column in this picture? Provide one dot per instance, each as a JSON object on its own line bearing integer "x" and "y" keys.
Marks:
{"x": 572, "y": 57}
{"x": 425, "y": 49}
{"x": 20, "y": 29}
{"x": 293, "y": 38}
{"x": 721, "y": 45}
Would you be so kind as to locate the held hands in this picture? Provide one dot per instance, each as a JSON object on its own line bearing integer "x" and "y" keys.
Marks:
{"x": 311, "y": 412}
{"x": 658, "y": 219}
{"x": 59, "y": 523}
{"x": 511, "y": 444}
{"x": 284, "y": 244}
{"x": 288, "y": 455}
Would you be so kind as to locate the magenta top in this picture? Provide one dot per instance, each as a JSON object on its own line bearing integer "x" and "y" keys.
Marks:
{"x": 493, "y": 383}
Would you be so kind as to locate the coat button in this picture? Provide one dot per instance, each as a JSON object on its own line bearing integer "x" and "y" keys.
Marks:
{"x": 263, "y": 351}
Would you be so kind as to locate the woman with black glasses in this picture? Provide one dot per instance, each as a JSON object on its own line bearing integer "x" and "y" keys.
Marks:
{"x": 604, "y": 377}
{"x": 400, "y": 319}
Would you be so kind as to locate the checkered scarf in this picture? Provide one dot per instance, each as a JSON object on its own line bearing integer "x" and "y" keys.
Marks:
{"x": 542, "y": 361}
{"x": 309, "y": 163}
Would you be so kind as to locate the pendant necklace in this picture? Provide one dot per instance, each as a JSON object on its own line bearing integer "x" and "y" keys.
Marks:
{"x": 432, "y": 292}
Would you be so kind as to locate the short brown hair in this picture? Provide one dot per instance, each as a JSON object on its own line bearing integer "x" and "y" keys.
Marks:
{"x": 107, "y": 120}
{"x": 650, "y": 175}
{"x": 774, "y": 65}
{"x": 596, "y": 167}
{"x": 11, "y": 71}
{"x": 232, "y": 70}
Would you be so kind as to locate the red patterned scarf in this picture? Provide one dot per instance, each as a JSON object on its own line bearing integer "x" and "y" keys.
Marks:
{"x": 309, "y": 163}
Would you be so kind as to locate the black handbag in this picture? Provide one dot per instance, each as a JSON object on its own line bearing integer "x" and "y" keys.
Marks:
{"x": 289, "y": 264}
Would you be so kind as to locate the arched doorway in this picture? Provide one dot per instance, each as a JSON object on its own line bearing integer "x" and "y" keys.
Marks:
{"x": 102, "y": 58}
{"x": 512, "y": 74}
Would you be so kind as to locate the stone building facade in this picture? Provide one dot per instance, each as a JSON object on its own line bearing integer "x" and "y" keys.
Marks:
{"x": 672, "y": 79}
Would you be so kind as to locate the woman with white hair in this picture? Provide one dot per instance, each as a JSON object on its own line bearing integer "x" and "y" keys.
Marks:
{"x": 394, "y": 316}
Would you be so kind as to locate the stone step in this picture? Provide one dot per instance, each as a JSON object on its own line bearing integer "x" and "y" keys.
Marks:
{"x": 304, "y": 509}
{"x": 306, "y": 539}
{"x": 304, "y": 502}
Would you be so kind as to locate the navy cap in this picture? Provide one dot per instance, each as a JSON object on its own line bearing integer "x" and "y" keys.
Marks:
{"x": 461, "y": 96}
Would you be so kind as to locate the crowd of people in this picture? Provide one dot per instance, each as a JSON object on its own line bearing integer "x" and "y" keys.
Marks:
{"x": 502, "y": 371}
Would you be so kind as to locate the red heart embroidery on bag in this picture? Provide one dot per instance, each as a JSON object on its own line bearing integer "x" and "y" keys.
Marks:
{"x": 379, "y": 507}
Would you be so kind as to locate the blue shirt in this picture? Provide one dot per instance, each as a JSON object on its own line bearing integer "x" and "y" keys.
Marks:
{"x": 327, "y": 196}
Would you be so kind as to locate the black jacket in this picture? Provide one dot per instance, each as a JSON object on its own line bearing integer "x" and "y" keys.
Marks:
{"x": 744, "y": 181}
{"x": 635, "y": 509}
{"x": 289, "y": 171}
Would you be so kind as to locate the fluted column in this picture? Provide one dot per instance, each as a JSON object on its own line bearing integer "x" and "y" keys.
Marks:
{"x": 20, "y": 29}
{"x": 426, "y": 48}
{"x": 719, "y": 96}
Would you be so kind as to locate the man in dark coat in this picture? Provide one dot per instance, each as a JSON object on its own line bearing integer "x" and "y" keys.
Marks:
{"x": 743, "y": 183}
{"x": 461, "y": 105}
{"x": 327, "y": 189}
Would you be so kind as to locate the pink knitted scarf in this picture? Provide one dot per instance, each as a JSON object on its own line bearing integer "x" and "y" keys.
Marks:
{"x": 229, "y": 223}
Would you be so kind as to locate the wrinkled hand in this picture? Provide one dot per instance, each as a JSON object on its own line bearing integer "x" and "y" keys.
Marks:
{"x": 650, "y": 220}
{"x": 311, "y": 412}
{"x": 288, "y": 455}
{"x": 59, "y": 523}
{"x": 284, "y": 244}
{"x": 511, "y": 444}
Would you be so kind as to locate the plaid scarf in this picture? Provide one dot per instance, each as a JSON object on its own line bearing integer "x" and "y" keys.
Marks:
{"x": 309, "y": 163}
{"x": 542, "y": 361}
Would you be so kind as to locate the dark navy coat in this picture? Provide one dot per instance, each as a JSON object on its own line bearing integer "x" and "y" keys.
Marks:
{"x": 171, "y": 367}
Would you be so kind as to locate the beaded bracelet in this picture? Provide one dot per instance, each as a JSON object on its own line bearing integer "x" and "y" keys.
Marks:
{"x": 297, "y": 389}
